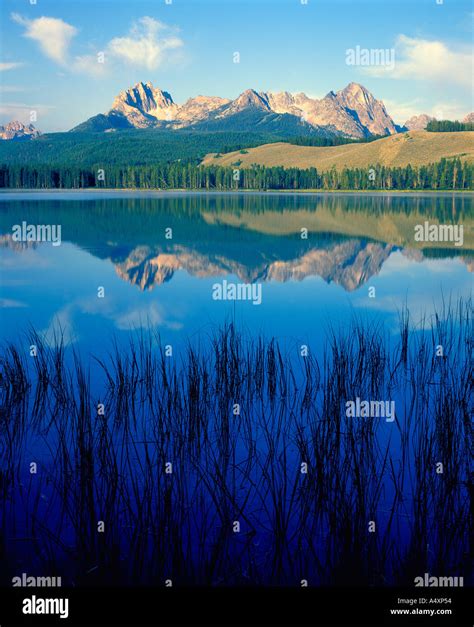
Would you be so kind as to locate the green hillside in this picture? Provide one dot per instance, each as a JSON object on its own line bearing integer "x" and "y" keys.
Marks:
{"x": 126, "y": 147}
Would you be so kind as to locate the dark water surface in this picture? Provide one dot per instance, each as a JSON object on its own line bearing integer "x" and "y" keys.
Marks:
{"x": 311, "y": 264}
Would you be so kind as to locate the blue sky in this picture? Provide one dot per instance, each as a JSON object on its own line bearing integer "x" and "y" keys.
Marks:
{"x": 49, "y": 62}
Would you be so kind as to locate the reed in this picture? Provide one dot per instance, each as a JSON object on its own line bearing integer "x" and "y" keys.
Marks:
{"x": 241, "y": 467}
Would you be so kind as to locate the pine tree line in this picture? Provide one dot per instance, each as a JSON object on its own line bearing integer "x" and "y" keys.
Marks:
{"x": 447, "y": 126}
{"x": 446, "y": 174}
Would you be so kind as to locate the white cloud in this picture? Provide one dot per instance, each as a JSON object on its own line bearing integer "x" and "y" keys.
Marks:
{"x": 61, "y": 326}
{"x": 22, "y": 112}
{"x": 147, "y": 44}
{"x": 88, "y": 64}
{"x": 10, "y": 89}
{"x": 52, "y": 34}
{"x": 9, "y": 66}
{"x": 150, "y": 315}
{"x": 8, "y": 303}
{"x": 426, "y": 60}
{"x": 403, "y": 111}
{"x": 448, "y": 111}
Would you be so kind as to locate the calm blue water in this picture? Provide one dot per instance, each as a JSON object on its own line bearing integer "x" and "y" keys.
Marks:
{"x": 357, "y": 259}
{"x": 117, "y": 241}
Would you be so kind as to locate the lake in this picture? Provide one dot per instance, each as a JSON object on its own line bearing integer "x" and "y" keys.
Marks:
{"x": 236, "y": 389}
{"x": 119, "y": 242}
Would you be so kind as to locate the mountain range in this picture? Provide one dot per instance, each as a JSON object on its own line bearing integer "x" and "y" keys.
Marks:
{"x": 352, "y": 112}
{"x": 18, "y": 131}
{"x": 255, "y": 238}
{"x": 349, "y": 263}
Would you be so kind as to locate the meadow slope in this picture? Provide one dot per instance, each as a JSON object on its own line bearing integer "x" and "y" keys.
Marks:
{"x": 413, "y": 147}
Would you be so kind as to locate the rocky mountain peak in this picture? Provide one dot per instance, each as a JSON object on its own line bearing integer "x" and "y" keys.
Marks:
{"x": 144, "y": 96}
{"x": 252, "y": 98}
{"x": 370, "y": 112}
{"x": 143, "y": 105}
{"x": 356, "y": 90}
{"x": 16, "y": 130}
{"x": 284, "y": 102}
{"x": 418, "y": 122}
{"x": 352, "y": 111}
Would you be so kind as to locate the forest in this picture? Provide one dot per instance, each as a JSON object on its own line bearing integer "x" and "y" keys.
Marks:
{"x": 447, "y": 174}
{"x": 447, "y": 126}
{"x": 145, "y": 146}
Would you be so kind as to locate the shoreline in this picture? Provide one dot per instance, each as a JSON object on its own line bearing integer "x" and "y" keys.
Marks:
{"x": 184, "y": 191}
